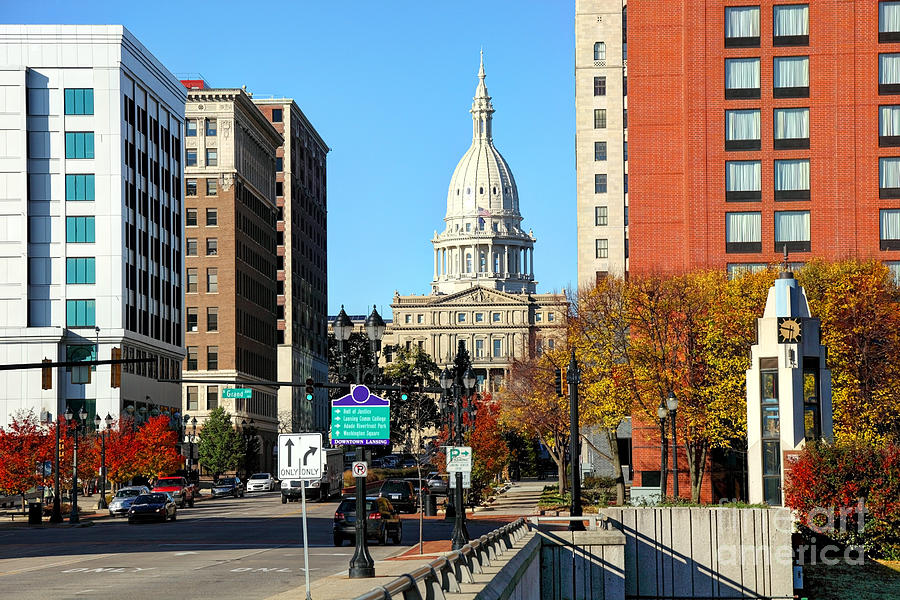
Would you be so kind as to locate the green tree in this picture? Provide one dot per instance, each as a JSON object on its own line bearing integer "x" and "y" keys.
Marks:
{"x": 221, "y": 448}
{"x": 420, "y": 411}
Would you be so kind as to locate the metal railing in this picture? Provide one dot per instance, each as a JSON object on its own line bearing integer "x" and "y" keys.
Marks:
{"x": 445, "y": 574}
{"x": 595, "y": 522}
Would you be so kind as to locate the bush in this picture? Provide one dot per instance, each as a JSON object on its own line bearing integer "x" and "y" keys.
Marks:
{"x": 850, "y": 492}
{"x": 591, "y": 483}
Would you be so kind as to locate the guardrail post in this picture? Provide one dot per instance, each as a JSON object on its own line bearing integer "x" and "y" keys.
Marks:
{"x": 433, "y": 588}
{"x": 463, "y": 569}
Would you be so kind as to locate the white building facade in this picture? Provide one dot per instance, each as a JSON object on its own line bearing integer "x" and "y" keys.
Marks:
{"x": 90, "y": 218}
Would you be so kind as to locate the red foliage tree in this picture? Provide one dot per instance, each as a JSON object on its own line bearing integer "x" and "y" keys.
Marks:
{"x": 22, "y": 455}
{"x": 121, "y": 453}
{"x": 156, "y": 454}
{"x": 490, "y": 453}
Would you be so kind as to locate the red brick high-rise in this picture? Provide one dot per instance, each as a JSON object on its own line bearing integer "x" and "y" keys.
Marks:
{"x": 760, "y": 124}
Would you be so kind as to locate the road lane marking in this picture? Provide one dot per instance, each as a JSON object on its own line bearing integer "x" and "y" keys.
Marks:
{"x": 57, "y": 564}
{"x": 230, "y": 560}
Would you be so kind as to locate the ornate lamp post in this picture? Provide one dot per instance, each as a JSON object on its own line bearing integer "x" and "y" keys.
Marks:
{"x": 191, "y": 439}
{"x": 672, "y": 406}
{"x": 248, "y": 430}
{"x": 456, "y": 386}
{"x": 103, "y": 433}
{"x": 573, "y": 378}
{"x": 56, "y": 514}
{"x": 662, "y": 412}
{"x": 129, "y": 410}
{"x": 361, "y": 565}
{"x": 79, "y": 425}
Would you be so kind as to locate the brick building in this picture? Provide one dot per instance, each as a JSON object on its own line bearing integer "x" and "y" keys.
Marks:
{"x": 759, "y": 125}
{"x": 230, "y": 264}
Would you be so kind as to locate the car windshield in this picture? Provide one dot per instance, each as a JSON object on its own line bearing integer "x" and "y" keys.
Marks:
{"x": 226, "y": 481}
{"x": 260, "y": 476}
{"x": 128, "y": 493}
{"x": 150, "y": 499}
{"x": 168, "y": 481}
{"x": 349, "y": 506}
{"x": 395, "y": 487}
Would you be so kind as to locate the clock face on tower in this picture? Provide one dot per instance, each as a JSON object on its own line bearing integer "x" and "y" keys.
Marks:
{"x": 790, "y": 330}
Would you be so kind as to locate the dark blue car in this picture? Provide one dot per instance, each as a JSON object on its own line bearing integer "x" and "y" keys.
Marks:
{"x": 157, "y": 506}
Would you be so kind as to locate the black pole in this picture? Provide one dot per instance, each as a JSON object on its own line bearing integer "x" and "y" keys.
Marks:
{"x": 573, "y": 378}
{"x": 102, "y": 503}
{"x": 361, "y": 565}
{"x": 56, "y": 515}
{"x": 663, "y": 459}
{"x": 674, "y": 456}
{"x": 73, "y": 514}
{"x": 458, "y": 537}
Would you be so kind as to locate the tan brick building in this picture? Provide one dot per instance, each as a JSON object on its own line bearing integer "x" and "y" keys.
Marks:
{"x": 230, "y": 264}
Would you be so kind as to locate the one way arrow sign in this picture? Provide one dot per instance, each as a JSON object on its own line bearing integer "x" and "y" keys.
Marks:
{"x": 299, "y": 456}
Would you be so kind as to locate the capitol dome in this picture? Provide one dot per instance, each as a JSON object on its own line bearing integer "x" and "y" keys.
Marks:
{"x": 482, "y": 242}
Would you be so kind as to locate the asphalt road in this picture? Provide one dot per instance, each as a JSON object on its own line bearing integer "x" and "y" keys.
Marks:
{"x": 245, "y": 548}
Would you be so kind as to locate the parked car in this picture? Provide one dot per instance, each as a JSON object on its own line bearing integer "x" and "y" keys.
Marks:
{"x": 123, "y": 499}
{"x": 417, "y": 483}
{"x": 152, "y": 507}
{"x": 382, "y": 521}
{"x": 228, "y": 486}
{"x": 390, "y": 461}
{"x": 437, "y": 483}
{"x": 400, "y": 493}
{"x": 408, "y": 462}
{"x": 261, "y": 482}
{"x": 182, "y": 491}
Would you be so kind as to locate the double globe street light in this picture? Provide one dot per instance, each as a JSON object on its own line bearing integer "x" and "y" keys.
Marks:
{"x": 79, "y": 427}
{"x": 103, "y": 433}
{"x": 669, "y": 409}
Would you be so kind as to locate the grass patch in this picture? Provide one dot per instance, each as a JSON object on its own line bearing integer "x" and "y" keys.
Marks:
{"x": 875, "y": 580}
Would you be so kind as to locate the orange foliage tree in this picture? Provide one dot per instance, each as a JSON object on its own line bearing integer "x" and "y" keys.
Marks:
{"x": 155, "y": 448}
{"x": 490, "y": 454}
{"x": 22, "y": 455}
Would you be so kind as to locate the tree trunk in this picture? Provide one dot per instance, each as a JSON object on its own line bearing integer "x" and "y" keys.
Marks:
{"x": 613, "y": 441}
{"x": 696, "y": 455}
{"x": 561, "y": 467}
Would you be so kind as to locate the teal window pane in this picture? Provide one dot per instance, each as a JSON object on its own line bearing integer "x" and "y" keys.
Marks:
{"x": 70, "y": 270}
{"x": 70, "y": 313}
{"x": 79, "y": 145}
{"x": 79, "y": 187}
{"x": 89, "y": 145}
{"x": 89, "y": 101}
{"x": 70, "y": 229}
{"x": 79, "y": 102}
{"x": 88, "y": 187}
{"x": 89, "y": 229}
{"x": 80, "y": 270}
{"x": 80, "y": 230}
{"x": 70, "y": 145}
{"x": 80, "y": 313}
{"x": 89, "y": 312}
{"x": 70, "y": 184}
{"x": 90, "y": 270}
{"x": 70, "y": 102}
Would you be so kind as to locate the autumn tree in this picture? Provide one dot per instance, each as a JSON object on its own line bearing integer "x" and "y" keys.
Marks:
{"x": 155, "y": 453}
{"x": 22, "y": 455}
{"x": 420, "y": 411}
{"x": 490, "y": 454}
{"x": 121, "y": 453}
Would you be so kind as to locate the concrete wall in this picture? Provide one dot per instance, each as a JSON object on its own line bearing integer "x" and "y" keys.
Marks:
{"x": 705, "y": 552}
{"x": 582, "y": 564}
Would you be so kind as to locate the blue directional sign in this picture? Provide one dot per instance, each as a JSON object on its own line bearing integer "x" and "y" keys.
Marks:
{"x": 360, "y": 419}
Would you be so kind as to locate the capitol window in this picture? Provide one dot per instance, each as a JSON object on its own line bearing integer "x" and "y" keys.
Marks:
{"x": 461, "y": 318}
{"x": 479, "y": 317}
{"x": 468, "y": 257}
{"x": 409, "y": 318}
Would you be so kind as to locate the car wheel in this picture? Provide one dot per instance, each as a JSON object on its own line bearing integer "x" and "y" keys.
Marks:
{"x": 383, "y": 539}
{"x": 338, "y": 540}
{"x": 284, "y": 499}
{"x": 398, "y": 536}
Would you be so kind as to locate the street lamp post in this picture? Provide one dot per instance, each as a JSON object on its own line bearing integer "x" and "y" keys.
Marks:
{"x": 459, "y": 385}
{"x": 361, "y": 565}
{"x": 573, "y": 378}
{"x": 56, "y": 514}
{"x": 103, "y": 433}
{"x": 248, "y": 430}
{"x": 672, "y": 406}
{"x": 662, "y": 412}
{"x": 191, "y": 441}
{"x": 79, "y": 424}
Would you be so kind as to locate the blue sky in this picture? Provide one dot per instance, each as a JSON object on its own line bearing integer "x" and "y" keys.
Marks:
{"x": 388, "y": 85}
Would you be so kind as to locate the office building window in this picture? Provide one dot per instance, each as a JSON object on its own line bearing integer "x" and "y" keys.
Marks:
{"x": 625, "y": 151}
{"x": 889, "y": 177}
{"x": 600, "y": 216}
{"x": 600, "y": 86}
{"x": 212, "y": 246}
{"x": 191, "y": 280}
{"x": 279, "y": 188}
{"x": 190, "y": 158}
{"x": 190, "y": 187}
{"x": 79, "y": 101}
{"x": 279, "y": 164}
{"x": 192, "y": 353}
{"x": 211, "y": 187}
{"x": 212, "y": 397}
{"x": 741, "y": 26}
{"x": 743, "y": 232}
{"x": 192, "y": 391}
{"x": 889, "y": 21}
{"x": 80, "y": 313}
{"x": 212, "y": 280}
{"x": 742, "y": 129}
{"x": 212, "y": 358}
{"x": 81, "y": 270}
{"x": 894, "y": 267}
{"x": 743, "y": 181}
{"x": 889, "y": 73}
{"x": 599, "y": 118}
{"x": 599, "y": 50}
{"x": 624, "y": 77}
{"x": 190, "y": 217}
{"x": 212, "y": 318}
{"x": 790, "y": 25}
{"x": 212, "y": 217}
{"x": 791, "y": 128}
{"x": 191, "y": 323}
{"x": 212, "y": 157}
{"x": 737, "y": 269}
{"x": 498, "y": 348}
{"x": 276, "y": 115}
{"x": 211, "y": 127}
{"x": 601, "y": 248}
{"x": 600, "y": 183}
{"x": 80, "y": 230}
{"x": 792, "y": 179}
{"x": 625, "y": 118}
{"x": 80, "y": 144}
{"x": 191, "y": 246}
{"x": 890, "y": 228}
{"x": 792, "y": 230}
{"x": 190, "y": 128}
{"x": 599, "y": 150}
{"x": 889, "y": 126}
{"x": 791, "y": 77}
{"x": 79, "y": 188}
{"x": 741, "y": 78}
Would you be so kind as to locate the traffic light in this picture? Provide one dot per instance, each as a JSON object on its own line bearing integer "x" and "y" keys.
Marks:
{"x": 310, "y": 388}
{"x": 115, "y": 372}
{"x": 46, "y": 375}
{"x": 404, "y": 389}
{"x": 558, "y": 382}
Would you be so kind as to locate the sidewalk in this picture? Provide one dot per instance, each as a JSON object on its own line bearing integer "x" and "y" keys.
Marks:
{"x": 520, "y": 500}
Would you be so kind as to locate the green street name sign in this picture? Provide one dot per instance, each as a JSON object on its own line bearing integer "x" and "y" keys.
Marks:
{"x": 237, "y": 393}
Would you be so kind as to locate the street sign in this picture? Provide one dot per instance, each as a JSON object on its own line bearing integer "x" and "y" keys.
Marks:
{"x": 459, "y": 458}
{"x": 360, "y": 419}
{"x": 300, "y": 456}
{"x": 467, "y": 480}
{"x": 360, "y": 469}
{"x": 237, "y": 393}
